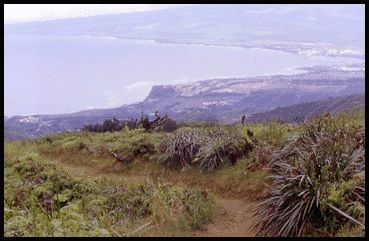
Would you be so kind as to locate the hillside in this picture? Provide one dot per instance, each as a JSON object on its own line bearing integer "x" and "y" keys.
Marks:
{"x": 301, "y": 112}
{"x": 196, "y": 181}
{"x": 224, "y": 100}
{"x": 184, "y": 120}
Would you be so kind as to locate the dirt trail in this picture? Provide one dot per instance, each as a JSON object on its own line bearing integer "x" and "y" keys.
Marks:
{"x": 233, "y": 217}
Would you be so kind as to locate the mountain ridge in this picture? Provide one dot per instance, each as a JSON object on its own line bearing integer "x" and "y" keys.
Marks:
{"x": 224, "y": 100}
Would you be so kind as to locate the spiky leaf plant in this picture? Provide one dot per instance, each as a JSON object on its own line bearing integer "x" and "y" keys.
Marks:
{"x": 318, "y": 182}
{"x": 210, "y": 147}
{"x": 182, "y": 147}
{"x": 212, "y": 155}
{"x": 223, "y": 147}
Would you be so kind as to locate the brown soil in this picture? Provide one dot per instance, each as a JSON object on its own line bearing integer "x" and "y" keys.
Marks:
{"x": 232, "y": 219}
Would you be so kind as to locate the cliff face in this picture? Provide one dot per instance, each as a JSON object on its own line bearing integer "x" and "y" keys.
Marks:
{"x": 159, "y": 92}
{"x": 225, "y": 100}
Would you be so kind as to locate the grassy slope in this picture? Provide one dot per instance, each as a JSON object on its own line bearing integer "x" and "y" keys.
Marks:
{"x": 90, "y": 151}
{"x": 85, "y": 204}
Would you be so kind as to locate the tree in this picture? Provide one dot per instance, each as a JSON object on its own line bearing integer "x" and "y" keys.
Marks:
{"x": 150, "y": 125}
{"x": 114, "y": 124}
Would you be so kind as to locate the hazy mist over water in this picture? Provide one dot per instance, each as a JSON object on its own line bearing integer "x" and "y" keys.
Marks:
{"x": 56, "y": 74}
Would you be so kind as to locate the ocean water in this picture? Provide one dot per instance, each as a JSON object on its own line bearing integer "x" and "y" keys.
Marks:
{"x": 62, "y": 74}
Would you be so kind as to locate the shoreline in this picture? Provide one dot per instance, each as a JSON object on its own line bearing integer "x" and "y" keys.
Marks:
{"x": 306, "y": 49}
{"x": 307, "y": 70}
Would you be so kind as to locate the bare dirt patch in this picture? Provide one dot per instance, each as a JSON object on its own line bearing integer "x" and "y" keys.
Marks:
{"x": 233, "y": 219}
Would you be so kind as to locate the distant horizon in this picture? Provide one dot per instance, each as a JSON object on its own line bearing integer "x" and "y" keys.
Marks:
{"x": 23, "y": 13}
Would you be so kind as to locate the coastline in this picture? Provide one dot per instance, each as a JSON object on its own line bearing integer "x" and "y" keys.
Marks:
{"x": 306, "y": 49}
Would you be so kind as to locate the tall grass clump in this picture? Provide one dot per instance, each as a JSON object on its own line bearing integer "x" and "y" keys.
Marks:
{"x": 207, "y": 147}
{"x": 318, "y": 182}
{"x": 223, "y": 146}
{"x": 181, "y": 148}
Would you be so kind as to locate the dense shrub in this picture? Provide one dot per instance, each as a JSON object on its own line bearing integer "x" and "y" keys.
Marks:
{"x": 210, "y": 147}
{"x": 107, "y": 125}
{"x": 169, "y": 125}
{"x": 318, "y": 181}
{"x": 112, "y": 125}
{"x": 182, "y": 147}
{"x": 223, "y": 146}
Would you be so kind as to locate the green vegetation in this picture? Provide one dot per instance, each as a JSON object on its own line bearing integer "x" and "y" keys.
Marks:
{"x": 210, "y": 147}
{"x": 163, "y": 123}
{"x": 308, "y": 179}
{"x": 318, "y": 181}
{"x": 41, "y": 200}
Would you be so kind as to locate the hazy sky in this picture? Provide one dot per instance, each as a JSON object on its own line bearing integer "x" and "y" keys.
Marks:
{"x": 14, "y": 13}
